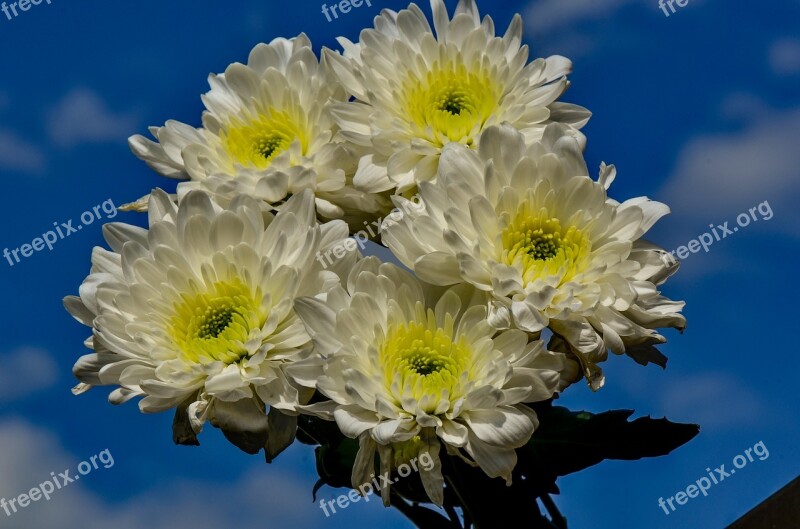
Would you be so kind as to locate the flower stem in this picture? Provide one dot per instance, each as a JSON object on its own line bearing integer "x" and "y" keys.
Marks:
{"x": 558, "y": 519}
{"x": 489, "y": 503}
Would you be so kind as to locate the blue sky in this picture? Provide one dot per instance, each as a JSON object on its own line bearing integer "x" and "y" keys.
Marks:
{"x": 699, "y": 109}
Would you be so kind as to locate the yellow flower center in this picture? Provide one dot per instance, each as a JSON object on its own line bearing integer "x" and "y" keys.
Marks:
{"x": 451, "y": 103}
{"x": 542, "y": 248}
{"x": 420, "y": 360}
{"x": 214, "y": 326}
{"x": 256, "y": 143}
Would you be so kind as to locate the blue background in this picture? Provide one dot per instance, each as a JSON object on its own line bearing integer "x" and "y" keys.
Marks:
{"x": 699, "y": 109}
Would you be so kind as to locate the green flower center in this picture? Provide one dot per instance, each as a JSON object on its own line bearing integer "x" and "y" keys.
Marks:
{"x": 215, "y": 325}
{"x": 215, "y": 321}
{"x": 454, "y": 102}
{"x": 538, "y": 239}
{"x": 541, "y": 247}
{"x": 268, "y": 146}
{"x": 255, "y": 143}
{"x": 424, "y": 361}
{"x": 450, "y": 103}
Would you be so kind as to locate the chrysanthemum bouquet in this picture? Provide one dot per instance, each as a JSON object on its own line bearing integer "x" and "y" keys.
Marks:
{"x": 247, "y": 301}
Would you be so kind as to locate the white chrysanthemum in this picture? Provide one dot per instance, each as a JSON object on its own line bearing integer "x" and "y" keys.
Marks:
{"x": 407, "y": 369}
{"x": 268, "y": 133}
{"x": 197, "y": 312}
{"x": 529, "y": 226}
{"x": 416, "y": 91}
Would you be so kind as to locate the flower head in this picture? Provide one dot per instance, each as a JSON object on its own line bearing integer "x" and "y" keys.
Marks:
{"x": 527, "y": 225}
{"x": 407, "y": 369}
{"x": 196, "y": 312}
{"x": 267, "y": 132}
{"x": 418, "y": 91}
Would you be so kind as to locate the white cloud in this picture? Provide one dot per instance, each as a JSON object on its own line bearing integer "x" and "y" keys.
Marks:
{"x": 83, "y": 117}
{"x": 547, "y": 16}
{"x": 717, "y": 176}
{"x": 261, "y": 498}
{"x": 576, "y": 28}
{"x": 26, "y": 370}
{"x": 560, "y": 27}
{"x": 743, "y": 106}
{"x": 784, "y": 56}
{"x": 17, "y": 154}
{"x": 713, "y": 400}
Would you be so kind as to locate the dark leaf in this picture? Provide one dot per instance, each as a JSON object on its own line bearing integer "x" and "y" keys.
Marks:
{"x": 182, "y": 432}
{"x": 244, "y": 424}
{"x": 281, "y": 433}
{"x": 490, "y": 503}
{"x": 317, "y": 486}
{"x": 422, "y": 517}
{"x": 646, "y": 354}
{"x": 567, "y": 442}
{"x": 335, "y": 462}
{"x": 248, "y": 442}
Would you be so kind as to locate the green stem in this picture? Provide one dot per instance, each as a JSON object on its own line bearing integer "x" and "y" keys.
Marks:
{"x": 460, "y": 494}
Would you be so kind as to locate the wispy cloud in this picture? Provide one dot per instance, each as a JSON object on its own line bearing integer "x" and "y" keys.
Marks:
{"x": 26, "y": 370}
{"x": 784, "y": 56}
{"x": 719, "y": 174}
{"x": 83, "y": 117}
{"x": 547, "y": 16}
{"x": 714, "y": 400}
{"x": 261, "y": 498}
{"x": 18, "y": 154}
{"x": 559, "y": 27}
